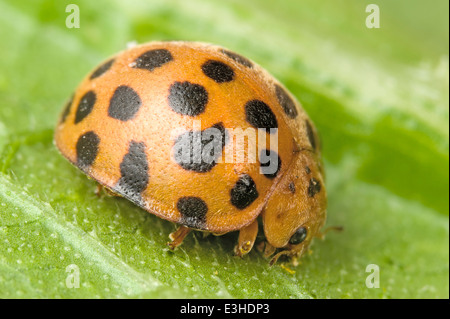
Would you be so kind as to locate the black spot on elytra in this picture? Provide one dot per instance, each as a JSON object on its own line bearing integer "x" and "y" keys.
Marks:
{"x": 308, "y": 170}
{"x": 310, "y": 134}
{"x": 87, "y": 149}
{"x": 198, "y": 151}
{"x": 244, "y": 192}
{"x": 153, "y": 59}
{"x": 286, "y": 102}
{"x": 270, "y": 163}
{"x": 218, "y": 71}
{"x": 292, "y": 187}
{"x": 134, "y": 172}
{"x": 102, "y": 69}
{"x": 238, "y": 58}
{"x": 66, "y": 111}
{"x": 85, "y": 106}
{"x": 124, "y": 104}
{"x": 193, "y": 212}
{"x": 187, "y": 98}
{"x": 314, "y": 187}
{"x": 259, "y": 115}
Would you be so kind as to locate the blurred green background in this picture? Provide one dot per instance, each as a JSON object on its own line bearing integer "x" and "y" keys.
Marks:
{"x": 379, "y": 98}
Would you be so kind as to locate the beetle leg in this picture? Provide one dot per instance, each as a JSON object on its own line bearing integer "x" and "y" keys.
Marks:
{"x": 260, "y": 247}
{"x": 275, "y": 258}
{"x": 247, "y": 236}
{"x": 98, "y": 190}
{"x": 219, "y": 234}
{"x": 177, "y": 237}
{"x": 269, "y": 250}
{"x": 102, "y": 189}
{"x": 266, "y": 249}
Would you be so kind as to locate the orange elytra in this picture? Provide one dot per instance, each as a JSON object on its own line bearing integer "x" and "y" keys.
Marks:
{"x": 203, "y": 137}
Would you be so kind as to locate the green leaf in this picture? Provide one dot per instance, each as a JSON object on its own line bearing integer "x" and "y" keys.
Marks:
{"x": 379, "y": 98}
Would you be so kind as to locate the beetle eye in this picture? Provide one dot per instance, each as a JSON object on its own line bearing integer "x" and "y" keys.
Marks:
{"x": 299, "y": 236}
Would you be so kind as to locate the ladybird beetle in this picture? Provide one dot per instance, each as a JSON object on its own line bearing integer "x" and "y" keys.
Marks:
{"x": 171, "y": 127}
